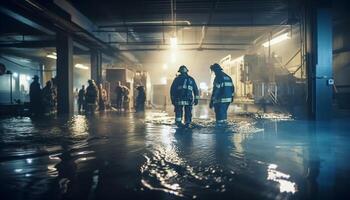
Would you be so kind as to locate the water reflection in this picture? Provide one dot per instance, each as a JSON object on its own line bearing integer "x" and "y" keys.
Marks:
{"x": 284, "y": 184}
{"x": 114, "y": 155}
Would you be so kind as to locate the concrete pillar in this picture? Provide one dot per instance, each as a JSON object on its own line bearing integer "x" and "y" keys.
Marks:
{"x": 64, "y": 50}
{"x": 319, "y": 59}
{"x": 96, "y": 66}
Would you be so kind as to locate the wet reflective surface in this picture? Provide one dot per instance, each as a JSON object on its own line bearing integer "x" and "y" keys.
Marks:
{"x": 144, "y": 156}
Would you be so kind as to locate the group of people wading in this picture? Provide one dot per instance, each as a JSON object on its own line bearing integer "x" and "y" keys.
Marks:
{"x": 184, "y": 94}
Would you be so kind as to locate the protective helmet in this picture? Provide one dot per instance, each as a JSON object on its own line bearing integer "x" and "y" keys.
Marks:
{"x": 215, "y": 67}
{"x": 35, "y": 77}
{"x": 183, "y": 69}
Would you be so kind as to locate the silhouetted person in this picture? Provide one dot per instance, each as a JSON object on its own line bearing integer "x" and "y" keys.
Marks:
{"x": 140, "y": 99}
{"x": 81, "y": 98}
{"x": 184, "y": 93}
{"x": 54, "y": 89}
{"x": 35, "y": 96}
{"x": 91, "y": 96}
{"x": 102, "y": 97}
{"x": 126, "y": 99}
{"x": 119, "y": 96}
{"x": 48, "y": 97}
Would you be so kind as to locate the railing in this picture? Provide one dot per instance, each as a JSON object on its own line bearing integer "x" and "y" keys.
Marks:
{"x": 273, "y": 97}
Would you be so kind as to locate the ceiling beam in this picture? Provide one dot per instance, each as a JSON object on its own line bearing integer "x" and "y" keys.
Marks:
{"x": 185, "y": 25}
{"x": 26, "y": 21}
{"x": 28, "y": 44}
{"x": 179, "y": 44}
{"x": 184, "y": 49}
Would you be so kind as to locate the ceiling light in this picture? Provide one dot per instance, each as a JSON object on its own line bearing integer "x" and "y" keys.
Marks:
{"x": 173, "y": 57}
{"x": 15, "y": 74}
{"x": 276, "y": 40}
{"x": 203, "y": 86}
{"x": 173, "y": 42}
{"x": 163, "y": 80}
{"x": 81, "y": 66}
{"x": 53, "y": 56}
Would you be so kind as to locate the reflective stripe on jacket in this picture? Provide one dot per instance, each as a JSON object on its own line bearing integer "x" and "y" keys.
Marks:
{"x": 223, "y": 88}
{"x": 184, "y": 90}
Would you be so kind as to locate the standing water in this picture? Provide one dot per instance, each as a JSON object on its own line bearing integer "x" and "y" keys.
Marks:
{"x": 144, "y": 156}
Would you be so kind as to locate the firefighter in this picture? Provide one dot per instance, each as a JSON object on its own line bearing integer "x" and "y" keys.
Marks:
{"x": 222, "y": 95}
{"x": 140, "y": 99}
{"x": 81, "y": 98}
{"x": 102, "y": 98}
{"x": 119, "y": 96}
{"x": 48, "y": 98}
{"x": 35, "y": 96}
{"x": 183, "y": 93}
{"x": 91, "y": 97}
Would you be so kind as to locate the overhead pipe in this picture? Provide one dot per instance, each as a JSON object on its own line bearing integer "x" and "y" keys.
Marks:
{"x": 149, "y": 23}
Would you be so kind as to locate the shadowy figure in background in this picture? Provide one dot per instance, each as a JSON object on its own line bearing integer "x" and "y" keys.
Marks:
{"x": 91, "y": 97}
{"x": 54, "y": 89}
{"x": 81, "y": 99}
{"x": 184, "y": 93}
{"x": 126, "y": 98}
{"x": 35, "y": 96}
{"x": 119, "y": 96}
{"x": 48, "y": 97}
{"x": 140, "y": 99}
{"x": 102, "y": 97}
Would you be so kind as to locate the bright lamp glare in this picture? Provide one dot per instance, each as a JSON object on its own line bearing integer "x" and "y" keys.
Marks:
{"x": 165, "y": 66}
{"x": 53, "y": 56}
{"x": 163, "y": 80}
{"x": 276, "y": 40}
{"x": 173, "y": 42}
{"x": 203, "y": 86}
{"x": 81, "y": 66}
{"x": 173, "y": 57}
{"x": 15, "y": 74}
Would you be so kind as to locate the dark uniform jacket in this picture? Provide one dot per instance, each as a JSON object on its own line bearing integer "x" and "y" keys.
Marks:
{"x": 183, "y": 90}
{"x": 81, "y": 96}
{"x": 91, "y": 94}
{"x": 223, "y": 89}
{"x": 35, "y": 92}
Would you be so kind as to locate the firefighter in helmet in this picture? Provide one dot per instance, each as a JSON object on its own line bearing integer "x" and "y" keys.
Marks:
{"x": 184, "y": 94}
{"x": 222, "y": 95}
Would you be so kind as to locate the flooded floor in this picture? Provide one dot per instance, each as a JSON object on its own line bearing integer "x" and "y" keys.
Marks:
{"x": 144, "y": 156}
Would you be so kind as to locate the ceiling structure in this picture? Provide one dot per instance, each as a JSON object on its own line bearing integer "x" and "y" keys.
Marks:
{"x": 206, "y": 30}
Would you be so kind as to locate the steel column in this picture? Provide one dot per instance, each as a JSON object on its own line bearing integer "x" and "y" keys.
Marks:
{"x": 64, "y": 51}
{"x": 96, "y": 66}
{"x": 320, "y": 69}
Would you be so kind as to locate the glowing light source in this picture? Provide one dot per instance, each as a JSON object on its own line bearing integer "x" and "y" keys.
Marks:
{"x": 173, "y": 57}
{"x": 203, "y": 86}
{"x": 163, "y": 80}
{"x": 81, "y": 66}
{"x": 29, "y": 78}
{"x": 165, "y": 66}
{"x": 173, "y": 42}
{"x": 18, "y": 170}
{"x": 276, "y": 40}
{"x": 15, "y": 74}
{"x": 53, "y": 55}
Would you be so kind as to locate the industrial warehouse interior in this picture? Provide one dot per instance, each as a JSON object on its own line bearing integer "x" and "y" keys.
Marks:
{"x": 174, "y": 99}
